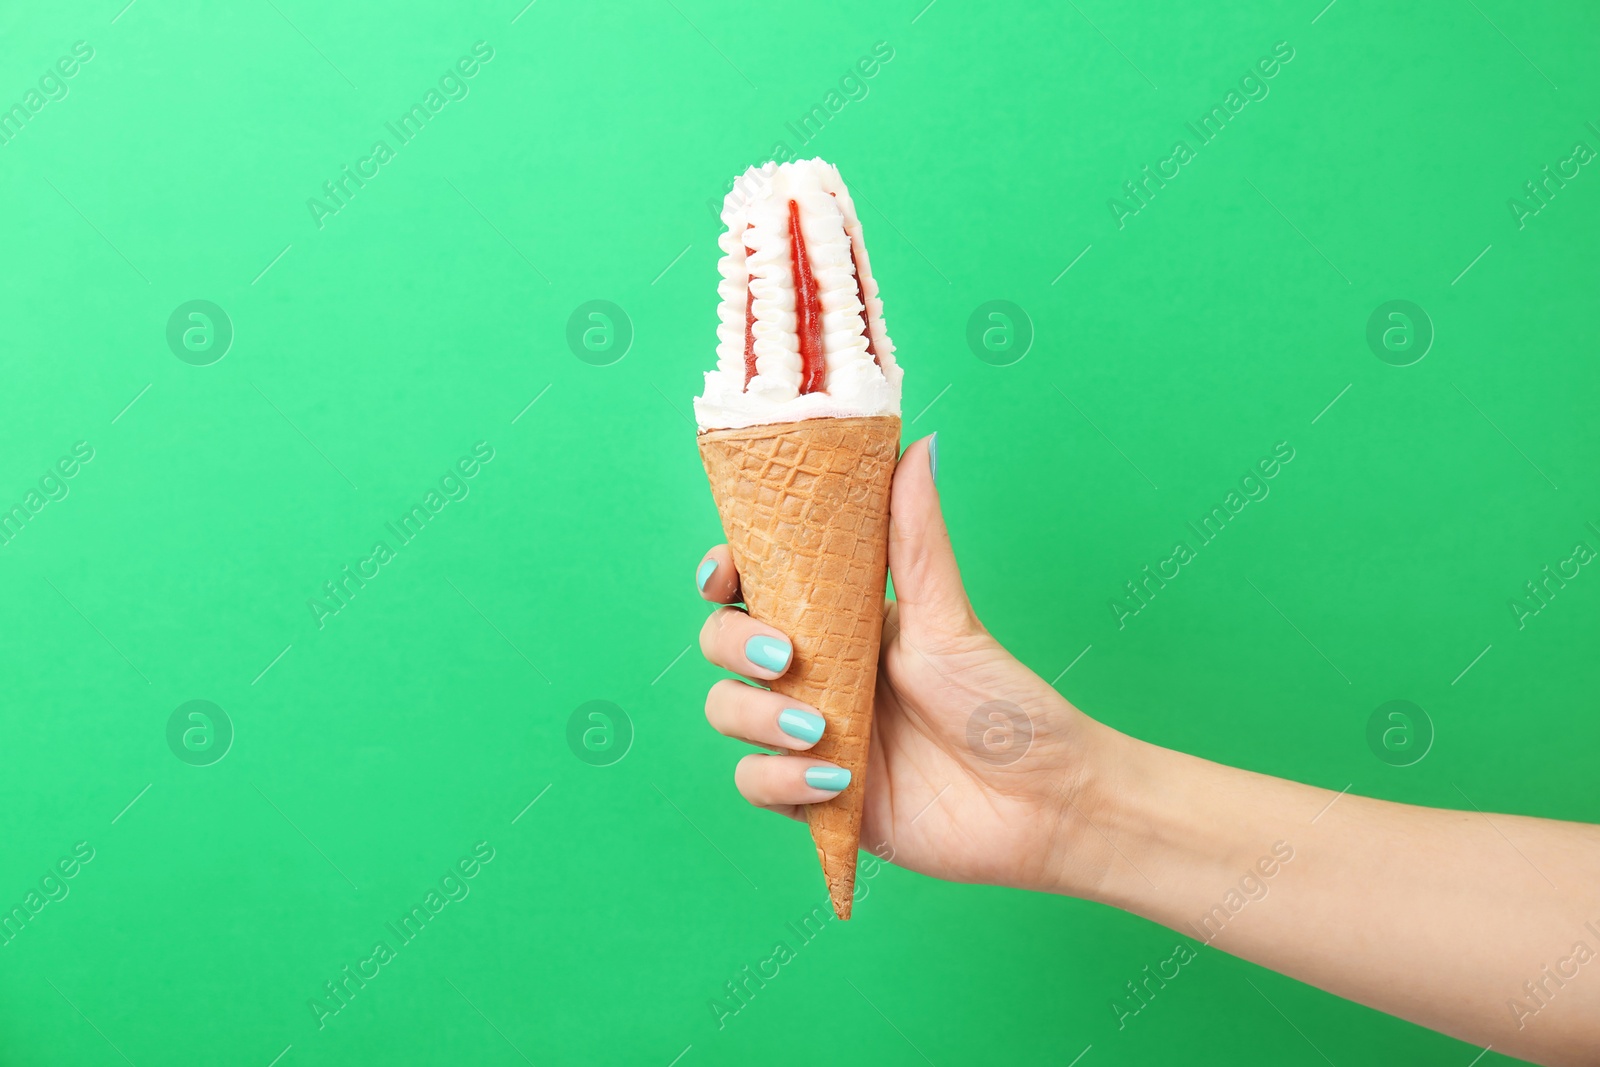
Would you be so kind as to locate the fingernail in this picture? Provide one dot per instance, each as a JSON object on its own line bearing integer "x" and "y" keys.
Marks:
{"x": 933, "y": 457}
{"x": 771, "y": 653}
{"x": 703, "y": 575}
{"x": 802, "y": 724}
{"x": 832, "y": 779}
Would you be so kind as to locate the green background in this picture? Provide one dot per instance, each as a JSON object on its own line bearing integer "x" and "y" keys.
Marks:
{"x": 372, "y": 752}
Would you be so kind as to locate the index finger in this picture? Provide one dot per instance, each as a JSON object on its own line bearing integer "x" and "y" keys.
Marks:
{"x": 717, "y": 577}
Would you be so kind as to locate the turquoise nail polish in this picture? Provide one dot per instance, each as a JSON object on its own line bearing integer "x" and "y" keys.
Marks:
{"x": 805, "y": 725}
{"x": 770, "y": 653}
{"x": 933, "y": 457}
{"x": 703, "y": 575}
{"x": 832, "y": 779}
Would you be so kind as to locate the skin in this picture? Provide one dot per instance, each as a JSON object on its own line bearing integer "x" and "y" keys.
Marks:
{"x": 1436, "y": 916}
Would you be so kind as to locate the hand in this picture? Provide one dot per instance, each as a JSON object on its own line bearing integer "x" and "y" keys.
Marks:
{"x": 1367, "y": 896}
{"x": 997, "y": 808}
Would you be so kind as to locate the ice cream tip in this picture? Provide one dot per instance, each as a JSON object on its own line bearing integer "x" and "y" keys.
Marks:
{"x": 800, "y": 331}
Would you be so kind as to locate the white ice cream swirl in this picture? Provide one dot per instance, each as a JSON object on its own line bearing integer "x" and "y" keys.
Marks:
{"x": 857, "y": 381}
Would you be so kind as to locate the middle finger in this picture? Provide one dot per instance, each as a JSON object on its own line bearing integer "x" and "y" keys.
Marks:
{"x": 736, "y": 642}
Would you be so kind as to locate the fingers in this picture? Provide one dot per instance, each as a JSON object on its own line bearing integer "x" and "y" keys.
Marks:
{"x": 779, "y": 781}
{"x": 783, "y": 784}
{"x": 736, "y": 642}
{"x": 717, "y": 578}
{"x": 762, "y": 717}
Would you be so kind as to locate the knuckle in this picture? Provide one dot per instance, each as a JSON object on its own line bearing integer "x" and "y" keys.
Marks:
{"x": 720, "y": 698}
{"x": 744, "y": 779}
{"x": 725, "y": 620}
{"x": 712, "y": 629}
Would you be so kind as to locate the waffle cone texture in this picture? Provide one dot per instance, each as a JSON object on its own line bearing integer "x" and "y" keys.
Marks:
{"x": 805, "y": 507}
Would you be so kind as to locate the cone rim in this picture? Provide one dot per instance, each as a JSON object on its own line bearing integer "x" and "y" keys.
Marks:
{"x": 763, "y": 429}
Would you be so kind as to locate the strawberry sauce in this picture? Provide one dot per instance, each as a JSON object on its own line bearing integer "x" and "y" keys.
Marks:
{"x": 807, "y": 310}
{"x": 861, "y": 295}
{"x": 749, "y": 320}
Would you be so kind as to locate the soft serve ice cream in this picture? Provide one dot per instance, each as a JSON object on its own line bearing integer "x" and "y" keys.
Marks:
{"x": 799, "y": 432}
{"x": 800, "y": 332}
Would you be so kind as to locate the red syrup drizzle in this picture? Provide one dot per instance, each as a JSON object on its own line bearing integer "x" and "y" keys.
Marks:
{"x": 749, "y": 319}
{"x": 807, "y": 310}
{"x": 861, "y": 294}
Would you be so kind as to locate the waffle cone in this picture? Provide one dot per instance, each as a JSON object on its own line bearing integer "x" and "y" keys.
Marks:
{"x": 805, "y": 506}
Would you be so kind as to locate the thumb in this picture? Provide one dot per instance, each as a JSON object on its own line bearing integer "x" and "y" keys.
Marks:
{"x": 922, "y": 562}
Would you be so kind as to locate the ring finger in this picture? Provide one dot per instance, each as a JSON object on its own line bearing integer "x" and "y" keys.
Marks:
{"x": 762, "y": 717}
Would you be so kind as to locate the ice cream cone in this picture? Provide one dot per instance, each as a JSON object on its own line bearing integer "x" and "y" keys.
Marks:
{"x": 805, "y": 506}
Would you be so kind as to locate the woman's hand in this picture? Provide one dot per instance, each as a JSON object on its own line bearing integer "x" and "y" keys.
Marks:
{"x": 978, "y": 770}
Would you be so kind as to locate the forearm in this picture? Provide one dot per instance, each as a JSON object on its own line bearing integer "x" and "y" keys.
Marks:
{"x": 1436, "y": 916}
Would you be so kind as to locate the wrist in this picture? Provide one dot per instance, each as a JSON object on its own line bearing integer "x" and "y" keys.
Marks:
{"x": 1094, "y": 794}
{"x": 1165, "y": 833}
